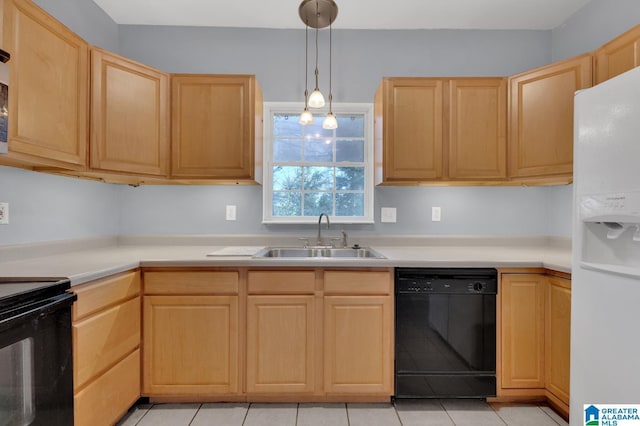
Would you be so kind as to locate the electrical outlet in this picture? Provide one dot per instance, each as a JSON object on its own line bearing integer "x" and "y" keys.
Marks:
{"x": 4, "y": 213}
{"x": 231, "y": 212}
{"x": 436, "y": 214}
{"x": 388, "y": 214}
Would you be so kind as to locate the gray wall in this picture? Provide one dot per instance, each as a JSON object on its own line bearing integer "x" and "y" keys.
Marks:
{"x": 361, "y": 58}
{"x": 593, "y": 25}
{"x": 45, "y": 207}
{"x": 86, "y": 19}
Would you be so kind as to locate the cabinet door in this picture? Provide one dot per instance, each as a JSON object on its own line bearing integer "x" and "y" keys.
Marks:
{"x": 558, "y": 337}
{"x": 412, "y": 123}
{"x": 129, "y": 116}
{"x": 522, "y": 330}
{"x": 190, "y": 345}
{"x": 213, "y": 121}
{"x": 358, "y": 345}
{"x": 541, "y": 117}
{"x": 477, "y": 128}
{"x": 49, "y": 88}
{"x": 280, "y": 344}
{"x": 619, "y": 55}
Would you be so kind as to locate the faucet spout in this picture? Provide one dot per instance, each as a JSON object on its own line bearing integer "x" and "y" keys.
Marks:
{"x": 319, "y": 240}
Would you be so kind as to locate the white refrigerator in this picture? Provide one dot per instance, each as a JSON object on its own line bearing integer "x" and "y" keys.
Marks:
{"x": 605, "y": 308}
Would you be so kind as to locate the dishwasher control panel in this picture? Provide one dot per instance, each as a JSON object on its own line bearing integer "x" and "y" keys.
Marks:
{"x": 446, "y": 281}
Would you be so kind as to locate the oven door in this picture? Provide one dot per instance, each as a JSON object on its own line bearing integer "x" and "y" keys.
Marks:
{"x": 36, "y": 365}
{"x": 445, "y": 345}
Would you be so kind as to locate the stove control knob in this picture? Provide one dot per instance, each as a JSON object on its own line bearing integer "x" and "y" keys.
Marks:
{"x": 478, "y": 286}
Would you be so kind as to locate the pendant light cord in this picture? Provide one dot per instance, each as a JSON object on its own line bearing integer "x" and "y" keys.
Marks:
{"x": 317, "y": 17}
{"x": 306, "y": 65}
{"x": 330, "y": 65}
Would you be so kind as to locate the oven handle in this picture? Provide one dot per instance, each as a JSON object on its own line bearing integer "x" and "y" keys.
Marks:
{"x": 54, "y": 303}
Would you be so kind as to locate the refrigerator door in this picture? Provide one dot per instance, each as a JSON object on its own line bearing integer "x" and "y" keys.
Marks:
{"x": 606, "y": 256}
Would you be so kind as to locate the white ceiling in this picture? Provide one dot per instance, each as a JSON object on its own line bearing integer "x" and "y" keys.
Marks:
{"x": 354, "y": 14}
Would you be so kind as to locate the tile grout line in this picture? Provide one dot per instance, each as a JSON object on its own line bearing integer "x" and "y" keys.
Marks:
{"x": 346, "y": 407}
{"x": 549, "y": 415}
{"x": 498, "y": 414}
{"x": 194, "y": 415}
{"x": 446, "y": 411}
{"x": 393, "y": 404}
{"x": 297, "y": 411}
{"x": 145, "y": 413}
{"x": 246, "y": 414}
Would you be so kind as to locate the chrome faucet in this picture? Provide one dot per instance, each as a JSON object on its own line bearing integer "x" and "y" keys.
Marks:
{"x": 319, "y": 241}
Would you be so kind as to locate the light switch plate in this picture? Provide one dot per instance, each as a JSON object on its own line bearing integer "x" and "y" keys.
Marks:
{"x": 388, "y": 214}
{"x": 4, "y": 213}
{"x": 436, "y": 214}
{"x": 231, "y": 212}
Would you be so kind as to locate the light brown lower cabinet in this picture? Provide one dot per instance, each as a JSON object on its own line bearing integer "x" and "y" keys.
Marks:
{"x": 534, "y": 343}
{"x": 190, "y": 333}
{"x": 106, "y": 349}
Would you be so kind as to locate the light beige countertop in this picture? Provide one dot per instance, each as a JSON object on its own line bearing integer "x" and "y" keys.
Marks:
{"x": 86, "y": 260}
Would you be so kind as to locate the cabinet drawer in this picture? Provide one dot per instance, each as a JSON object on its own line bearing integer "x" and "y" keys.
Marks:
{"x": 103, "y": 339}
{"x": 104, "y": 401}
{"x": 358, "y": 282}
{"x": 99, "y": 294}
{"x": 205, "y": 282}
{"x": 282, "y": 282}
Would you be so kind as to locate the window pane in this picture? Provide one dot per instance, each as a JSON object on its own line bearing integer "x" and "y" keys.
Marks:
{"x": 350, "y": 178}
{"x": 349, "y": 204}
{"x": 350, "y": 150}
{"x": 318, "y": 202}
{"x": 315, "y": 130}
{"x": 286, "y": 126}
{"x": 318, "y": 150}
{"x": 287, "y": 203}
{"x": 287, "y": 150}
{"x": 287, "y": 177}
{"x": 350, "y": 126}
{"x": 318, "y": 178}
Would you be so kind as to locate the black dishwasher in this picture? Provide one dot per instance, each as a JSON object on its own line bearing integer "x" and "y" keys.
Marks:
{"x": 445, "y": 332}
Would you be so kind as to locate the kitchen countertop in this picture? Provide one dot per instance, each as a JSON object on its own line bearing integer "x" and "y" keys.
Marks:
{"x": 86, "y": 260}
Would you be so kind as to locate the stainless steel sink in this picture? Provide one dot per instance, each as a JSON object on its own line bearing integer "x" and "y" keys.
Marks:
{"x": 318, "y": 252}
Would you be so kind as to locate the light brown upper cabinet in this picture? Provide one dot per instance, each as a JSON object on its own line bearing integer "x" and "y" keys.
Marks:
{"x": 408, "y": 129}
{"x": 619, "y": 55}
{"x": 49, "y": 89}
{"x": 541, "y": 117}
{"x": 434, "y": 129}
{"x": 216, "y": 127}
{"x": 477, "y": 137}
{"x": 129, "y": 116}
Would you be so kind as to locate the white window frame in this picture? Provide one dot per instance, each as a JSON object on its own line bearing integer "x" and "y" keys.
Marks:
{"x": 294, "y": 108}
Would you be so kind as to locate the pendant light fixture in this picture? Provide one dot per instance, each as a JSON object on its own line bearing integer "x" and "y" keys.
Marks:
{"x": 330, "y": 122}
{"x": 306, "y": 117}
{"x": 317, "y": 14}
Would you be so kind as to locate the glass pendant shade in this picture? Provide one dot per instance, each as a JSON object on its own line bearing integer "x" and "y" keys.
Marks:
{"x": 330, "y": 122}
{"x": 316, "y": 100}
{"x": 306, "y": 117}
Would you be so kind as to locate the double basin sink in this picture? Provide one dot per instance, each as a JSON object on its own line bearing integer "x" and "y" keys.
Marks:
{"x": 318, "y": 252}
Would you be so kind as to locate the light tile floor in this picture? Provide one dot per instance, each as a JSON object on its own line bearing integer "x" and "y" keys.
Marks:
{"x": 442, "y": 412}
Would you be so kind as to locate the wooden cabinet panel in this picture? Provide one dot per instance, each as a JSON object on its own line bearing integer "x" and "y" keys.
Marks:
{"x": 412, "y": 128}
{"x": 105, "y": 400}
{"x": 558, "y": 337}
{"x": 281, "y": 282}
{"x": 358, "y": 340}
{"x": 101, "y": 340}
{"x": 97, "y": 295}
{"x": 49, "y": 88}
{"x": 191, "y": 345}
{"x": 216, "y": 121}
{"x": 191, "y": 282}
{"x": 522, "y": 330}
{"x": 280, "y": 344}
{"x": 358, "y": 282}
{"x": 619, "y": 55}
{"x": 129, "y": 116}
{"x": 477, "y": 128}
{"x": 541, "y": 117}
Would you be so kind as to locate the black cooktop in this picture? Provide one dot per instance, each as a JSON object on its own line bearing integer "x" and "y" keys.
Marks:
{"x": 19, "y": 291}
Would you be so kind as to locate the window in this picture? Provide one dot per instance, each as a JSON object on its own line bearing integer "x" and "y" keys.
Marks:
{"x": 310, "y": 170}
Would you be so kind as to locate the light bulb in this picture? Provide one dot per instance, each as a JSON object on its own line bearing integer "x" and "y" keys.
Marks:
{"x": 316, "y": 100}
{"x": 330, "y": 122}
{"x": 306, "y": 117}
